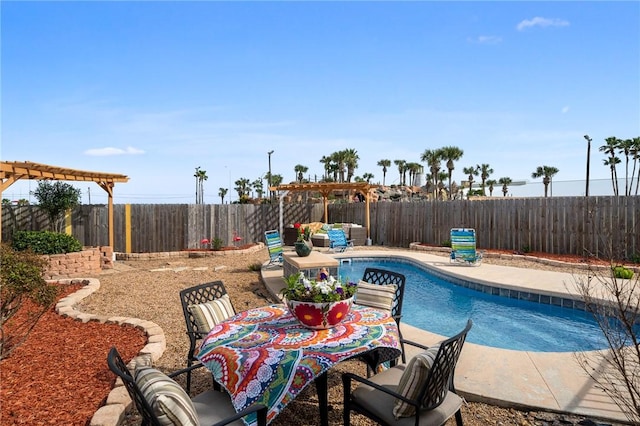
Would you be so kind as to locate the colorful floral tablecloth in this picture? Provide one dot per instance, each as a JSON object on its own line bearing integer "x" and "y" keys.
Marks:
{"x": 265, "y": 355}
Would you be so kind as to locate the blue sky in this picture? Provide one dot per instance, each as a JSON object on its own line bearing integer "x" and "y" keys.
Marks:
{"x": 153, "y": 90}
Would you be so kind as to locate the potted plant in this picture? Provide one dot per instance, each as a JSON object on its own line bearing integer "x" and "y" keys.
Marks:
{"x": 320, "y": 303}
{"x": 303, "y": 244}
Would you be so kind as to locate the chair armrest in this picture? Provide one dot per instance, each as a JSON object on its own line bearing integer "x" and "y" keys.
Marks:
{"x": 346, "y": 382}
{"x": 185, "y": 370}
{"x": 416, "y": 344}
{"x": 259, "y": 408}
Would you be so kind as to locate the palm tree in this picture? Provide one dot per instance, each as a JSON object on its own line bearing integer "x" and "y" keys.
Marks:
{"x": 441, "y": 177}
{"x": 222, "y": 192}
{"x": 258, "y": 185}
{"x": 635, "y": 153}
{"x": 367, "y": 177}
{"x": 300, "y": 170}
{"x": 610, "y": 149}
{"x": 432, "y": 157}
{"x": 351, "y": 162}
{"x": 471, "y": 172}
{"x": 326, "y": 161}
{"x": 201, "y": 176}
{"x": 485, "y": 172}
{"x": 414, "y": 169}
{"x": 451, "y": 154}
{"x": 547, "y": 173}
{"x": 242, "y": 188}
{"x": 491, "y": 183}
{"x": 384, "y": 164}
{"x": 339, "y": 158}
{"x": 401, "y": 164}
{"x": 505, "y": 182}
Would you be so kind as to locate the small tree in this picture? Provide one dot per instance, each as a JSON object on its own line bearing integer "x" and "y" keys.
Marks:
{"x": 21, "y": 281}
{"x": 55, "y": 199}
{"x": 617, "y": 371}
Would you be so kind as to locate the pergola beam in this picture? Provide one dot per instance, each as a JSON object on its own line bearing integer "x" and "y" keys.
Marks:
{"x": 326, "y": 188}
{"x": 12, "y": 171}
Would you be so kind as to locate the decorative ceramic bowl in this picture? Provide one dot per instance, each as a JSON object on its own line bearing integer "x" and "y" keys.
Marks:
{"x": 321, "y": 315}
{"x": 303, "y": 248}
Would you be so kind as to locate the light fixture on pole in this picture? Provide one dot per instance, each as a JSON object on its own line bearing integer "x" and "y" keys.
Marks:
{"x": 269, "y": 180}
{"x": 586, "y": 191}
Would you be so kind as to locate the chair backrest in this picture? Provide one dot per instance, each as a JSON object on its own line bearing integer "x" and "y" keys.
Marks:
{"x": 440, "y": 378}
{"x": 337, "y": 237}
{"x": 199, "y": 294}
{"x": 463, "y": 243}
{"x": 117, "y": 365}
{"x": 274, "y": 244}
{"x": 382, "y": 276}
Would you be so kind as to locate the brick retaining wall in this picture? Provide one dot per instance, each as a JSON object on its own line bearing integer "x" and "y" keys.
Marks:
{"x": 89, "y": 261}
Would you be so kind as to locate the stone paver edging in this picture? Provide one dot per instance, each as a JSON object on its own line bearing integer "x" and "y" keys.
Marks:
{"x": 118, "y": 400}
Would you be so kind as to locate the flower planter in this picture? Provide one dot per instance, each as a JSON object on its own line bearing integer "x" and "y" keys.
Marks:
{"x": 303, "y": 248}
{"x": 320, "y": 316}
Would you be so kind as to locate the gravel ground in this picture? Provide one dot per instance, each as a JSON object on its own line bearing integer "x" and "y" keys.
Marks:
{"x": 134, "y": 289}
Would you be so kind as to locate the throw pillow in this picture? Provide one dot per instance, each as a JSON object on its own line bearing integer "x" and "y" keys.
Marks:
{"x": 169, "y": 402}
{"x": 207, "y": 315}
{"x": 381, "y": 296}
{"x": 412, "y": 380}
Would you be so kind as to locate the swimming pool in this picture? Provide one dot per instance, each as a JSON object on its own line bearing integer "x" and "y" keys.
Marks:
{"x": 442, "y": 307}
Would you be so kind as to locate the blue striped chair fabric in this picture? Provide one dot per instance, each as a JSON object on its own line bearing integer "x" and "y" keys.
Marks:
{"x": 338, "y": 240}
{"x": 463, "y": 246}
{"x": 274, "y": 246}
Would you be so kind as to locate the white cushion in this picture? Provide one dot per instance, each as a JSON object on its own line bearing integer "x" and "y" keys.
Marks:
{"x": 169, "y": 402}
{"x": 207, "y": 315}
{"x": 381, "y": 296}
{"x": 412, "y": 380}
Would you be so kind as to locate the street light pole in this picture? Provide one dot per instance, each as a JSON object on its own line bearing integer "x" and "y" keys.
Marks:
{"x": 269, "y": 180}
{"x": 586, "y": 191}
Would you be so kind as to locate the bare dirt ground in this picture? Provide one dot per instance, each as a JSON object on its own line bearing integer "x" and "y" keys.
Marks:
{"x": 139, "y": 289}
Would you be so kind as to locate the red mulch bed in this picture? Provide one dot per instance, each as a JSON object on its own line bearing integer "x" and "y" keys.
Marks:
{"x": 59, "y": 375}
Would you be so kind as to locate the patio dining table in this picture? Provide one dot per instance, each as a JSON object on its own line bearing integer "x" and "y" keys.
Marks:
{"x": 264, "y": 355}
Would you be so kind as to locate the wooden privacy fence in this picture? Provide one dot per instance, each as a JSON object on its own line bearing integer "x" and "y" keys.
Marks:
{"x": 604, "y": 226}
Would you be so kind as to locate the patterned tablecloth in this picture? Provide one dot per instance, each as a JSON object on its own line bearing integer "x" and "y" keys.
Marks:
{"x": 265, "y": 355}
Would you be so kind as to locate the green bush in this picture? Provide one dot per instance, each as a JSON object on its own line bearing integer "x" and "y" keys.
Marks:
{"x": 622, "y": 272}
{"x": 217, "y": 243}
{"x": 45, "y": 242}
{"x": 21, "y": 279}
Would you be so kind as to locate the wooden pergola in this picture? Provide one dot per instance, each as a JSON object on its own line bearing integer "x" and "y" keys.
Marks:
{"x": 327, "y": 188}
{"x": 12, "y": 171}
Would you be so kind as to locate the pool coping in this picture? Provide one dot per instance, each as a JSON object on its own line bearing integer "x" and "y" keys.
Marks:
{"x": 548, "y": 381}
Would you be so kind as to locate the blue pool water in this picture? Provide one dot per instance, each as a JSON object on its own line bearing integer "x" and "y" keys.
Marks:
{"x": 439, "y": 306}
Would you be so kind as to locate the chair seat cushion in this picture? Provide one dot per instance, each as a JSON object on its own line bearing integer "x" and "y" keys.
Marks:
{"x": 413, "y": 379}
{"x": 382, "y": 404}
{"x": 208, "y": 314}
{"x": 213, "y": 406}
{"x": 380, "y": 296}
{"x": 169, "y": 402}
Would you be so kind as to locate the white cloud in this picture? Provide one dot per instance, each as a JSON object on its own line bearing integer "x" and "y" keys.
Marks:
{"x": 485, "y": 40}
{"x": 542, "y": 22}
{"x": 103, "y": 152}
{"x": 565, "y": 109}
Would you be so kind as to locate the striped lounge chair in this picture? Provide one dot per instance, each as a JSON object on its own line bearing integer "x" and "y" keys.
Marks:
{"x": 274, "y": 245}
{"x": 463, "y": 247}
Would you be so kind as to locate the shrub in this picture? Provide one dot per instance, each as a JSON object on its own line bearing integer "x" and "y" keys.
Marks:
{"x": 45, "y": 242}
{"x": 21, "y": 280}
{"x": 622, "y": 272}
{"x": 217, "y": 243}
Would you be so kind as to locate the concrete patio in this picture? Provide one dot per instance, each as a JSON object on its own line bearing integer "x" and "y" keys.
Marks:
{"x": 547, "y": 381}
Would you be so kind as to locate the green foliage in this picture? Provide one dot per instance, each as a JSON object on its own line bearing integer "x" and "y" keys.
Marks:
{"x": 446, "y": 243}
{"x": 217, "y": 243}
{"x": 321, "y": 290}
{"x": 56, "y": 198}
{"x": 622, "y": 272}
{"x": 21, "y": 279}
{"x": 45, "y": 242}
{"x": 526, "y": 249}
